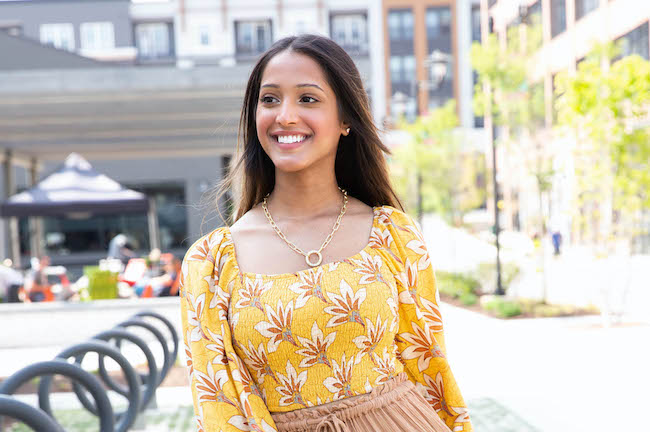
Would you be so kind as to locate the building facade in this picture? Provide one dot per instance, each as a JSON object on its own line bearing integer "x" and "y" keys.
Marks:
{"x": 569, "y": 30}
{"x": 98, "y": 29}
{"x": 421, "y": 36}
{"x": 162, "y": 119}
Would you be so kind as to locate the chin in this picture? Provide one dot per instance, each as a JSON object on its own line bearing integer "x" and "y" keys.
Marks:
{"x": 290, "y": 164}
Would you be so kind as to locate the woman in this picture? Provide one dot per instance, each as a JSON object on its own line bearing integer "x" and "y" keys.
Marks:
{"x": 316, "y": 310}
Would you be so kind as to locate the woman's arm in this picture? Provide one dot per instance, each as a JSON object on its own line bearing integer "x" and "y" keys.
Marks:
{"x": 420, "y": 338}
{"x": 225, "y": 396}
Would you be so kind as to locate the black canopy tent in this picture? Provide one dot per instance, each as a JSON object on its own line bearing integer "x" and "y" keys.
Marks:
{"x": 75, "y": 189}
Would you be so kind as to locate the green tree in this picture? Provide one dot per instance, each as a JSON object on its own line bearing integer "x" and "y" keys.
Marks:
{"x": 515, "y": 99}
{"x": 431, "y": 166}
{"x": 507, "y": 90}
{"x": 604, "y": 105}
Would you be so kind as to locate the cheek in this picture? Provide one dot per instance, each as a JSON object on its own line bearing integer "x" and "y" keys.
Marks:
{"x": 262, "y": 121}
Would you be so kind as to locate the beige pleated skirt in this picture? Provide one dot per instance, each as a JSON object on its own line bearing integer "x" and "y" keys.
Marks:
{"x": 396, "y": 406}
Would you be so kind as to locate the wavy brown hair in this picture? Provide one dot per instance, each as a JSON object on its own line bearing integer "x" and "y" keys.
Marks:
{"x": 360, "y": 165}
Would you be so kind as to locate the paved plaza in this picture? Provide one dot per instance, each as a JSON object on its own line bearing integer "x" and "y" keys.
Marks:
{"x": 529, "y": 375}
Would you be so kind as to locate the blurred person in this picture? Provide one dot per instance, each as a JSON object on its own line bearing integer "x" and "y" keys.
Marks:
{"x": 11, "y": 282}
{"x": 167, "y": 285}
{"x": 344, "y": 332}
{"x": 39, "y": 287}
{"x": 154, "y": 262}
{"x": 556, "y": 237}
{"x": 121, "y": 248}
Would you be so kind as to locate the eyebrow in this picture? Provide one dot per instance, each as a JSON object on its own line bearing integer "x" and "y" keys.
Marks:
{"x": 298, "y": 86}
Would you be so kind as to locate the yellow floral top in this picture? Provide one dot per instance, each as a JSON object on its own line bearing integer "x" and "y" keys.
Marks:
{"x": 257, "y": 344}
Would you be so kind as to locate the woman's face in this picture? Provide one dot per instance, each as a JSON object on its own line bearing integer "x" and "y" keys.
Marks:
{"x": 297, "y": 118}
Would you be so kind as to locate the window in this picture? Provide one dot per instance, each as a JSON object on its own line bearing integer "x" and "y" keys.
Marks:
{"x": 204, "y": 35}
{"x": 476, "y": 37}
{"x": 535, "y": 11}
{"x": 535, "y": 21}
{"x": 172, "y": 215}
{"x": 58, "y": 35}
{"x": 11, "y": 29}
{"x": 583, "y": 7}
{"x": 350, "y": 32}
{"x": 87, "y": 234}
{"x": 253, "y": 37}
{"x": 438, "y": 22}
{"x": 97, "y": 36}
{"x": 476, "y": 23}
{"x": 558, "y": 17}
{"x": 402, "y": 69}
{"x": 400, "y": 25}
{"x": 636, "y": 42}
{"x": 152, "y": 40}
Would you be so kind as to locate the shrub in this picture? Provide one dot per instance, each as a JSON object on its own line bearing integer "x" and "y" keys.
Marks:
{"x": 468, "y": 299}
{"x": 457, "y": 285}
{"x": 503, "y": 308}
{"x": 547, "y": 310}
{"x": 486, "y": 273}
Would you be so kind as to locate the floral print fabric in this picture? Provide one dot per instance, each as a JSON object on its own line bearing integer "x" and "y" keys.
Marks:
{"x": 257, "y": 344}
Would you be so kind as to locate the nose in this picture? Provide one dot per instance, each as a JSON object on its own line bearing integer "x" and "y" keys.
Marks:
{"x": 287, "y": 115}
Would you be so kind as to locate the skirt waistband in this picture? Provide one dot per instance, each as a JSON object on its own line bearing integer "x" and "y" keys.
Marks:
{"x": 331, "y": 416}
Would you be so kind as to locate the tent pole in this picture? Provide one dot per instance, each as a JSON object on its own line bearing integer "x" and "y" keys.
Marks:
{"x": 10, "y": 189}
{"x": 15, "y": 241}
{"x": 152, "y": 219}
{"x": 36, "y": 222}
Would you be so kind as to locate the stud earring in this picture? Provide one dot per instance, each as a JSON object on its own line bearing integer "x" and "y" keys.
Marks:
{"x": 347, "y": 131}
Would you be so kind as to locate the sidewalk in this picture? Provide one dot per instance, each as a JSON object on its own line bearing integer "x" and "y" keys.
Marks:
{"x": 557, "y": 374}
{"x": 616, "y": 284}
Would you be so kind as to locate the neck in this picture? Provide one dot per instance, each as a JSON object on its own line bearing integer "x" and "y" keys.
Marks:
{"x": 304, "y": 195}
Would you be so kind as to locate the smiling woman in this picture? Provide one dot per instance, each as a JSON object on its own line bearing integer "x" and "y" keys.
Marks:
{"x": 317, "y": 309}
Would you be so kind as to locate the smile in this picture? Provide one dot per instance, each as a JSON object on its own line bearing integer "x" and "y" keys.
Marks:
{"x": 290, "y": 139}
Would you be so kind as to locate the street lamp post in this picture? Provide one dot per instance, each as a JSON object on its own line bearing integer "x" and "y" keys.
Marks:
{"x": 523, "y": 17}
{"x": 497, "y": 227}
{"x": 492, "y": 131}
{"x": 437, "y": 64}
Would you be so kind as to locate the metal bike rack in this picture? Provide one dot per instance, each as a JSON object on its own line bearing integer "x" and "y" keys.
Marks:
{"x": 139, "y": 391}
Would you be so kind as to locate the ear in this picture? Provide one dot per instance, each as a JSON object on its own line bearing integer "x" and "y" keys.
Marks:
{"x": 345, "y": 129}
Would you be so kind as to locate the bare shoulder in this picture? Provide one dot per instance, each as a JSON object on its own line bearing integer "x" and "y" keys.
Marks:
{"x": 358, "y": 218}
{"x": 251, "y": 224}
{"x": 359, "y": 209}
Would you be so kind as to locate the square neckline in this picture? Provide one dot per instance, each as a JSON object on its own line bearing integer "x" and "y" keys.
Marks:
{"x": 253, "y": 275}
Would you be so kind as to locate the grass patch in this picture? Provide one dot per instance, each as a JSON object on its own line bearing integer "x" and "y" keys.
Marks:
{"x": 79, "y": 420}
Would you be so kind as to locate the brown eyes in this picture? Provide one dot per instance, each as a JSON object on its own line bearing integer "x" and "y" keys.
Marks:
{"x": 303, "y": 99}
{"x": 267, "y": 99}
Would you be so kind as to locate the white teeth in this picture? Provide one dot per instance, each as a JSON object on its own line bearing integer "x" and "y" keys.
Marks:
{"x": 289, "y": 139}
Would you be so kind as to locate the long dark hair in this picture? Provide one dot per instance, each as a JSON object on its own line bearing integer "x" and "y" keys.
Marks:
{"x": 360, "y": 165}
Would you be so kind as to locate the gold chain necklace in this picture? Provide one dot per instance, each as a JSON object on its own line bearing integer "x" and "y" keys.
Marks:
{"x": 308, "y": 255}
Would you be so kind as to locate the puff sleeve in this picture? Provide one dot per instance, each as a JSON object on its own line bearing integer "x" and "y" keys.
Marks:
{"x": 225, "y": 396}
{"x": 420, "y": 339}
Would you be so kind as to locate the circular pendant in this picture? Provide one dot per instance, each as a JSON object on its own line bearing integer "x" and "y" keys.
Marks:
{"x": 319, "y": 258}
